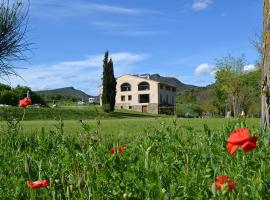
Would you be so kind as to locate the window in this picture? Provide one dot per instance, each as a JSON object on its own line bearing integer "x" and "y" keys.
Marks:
{"x": 161, "y": 98}
{"x": 167, "y": 98}
{"x": 122, "y": 98}
{"x": 174, "y": 89}
{"x": 130, "y": 107}
{"x": 161, "y": 86}
{"x": 125, "y": 87}
{"x": 168, "y": 88}
{"x": 129, "y": 97}
{"x": 143, "y": 86}
{"x": 121, "y": 107}
{"x": 173, "y": 100}
{"x": 144, "y": 98}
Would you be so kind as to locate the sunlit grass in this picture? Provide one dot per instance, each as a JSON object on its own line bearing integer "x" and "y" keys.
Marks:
{"x": 166, "y": 158}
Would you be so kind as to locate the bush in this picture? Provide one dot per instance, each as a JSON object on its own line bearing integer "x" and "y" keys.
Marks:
{"x": 188, "y": 110}
{"x": 106, "y": 107}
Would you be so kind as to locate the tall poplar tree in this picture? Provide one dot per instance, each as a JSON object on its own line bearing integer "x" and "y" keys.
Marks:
{"x": 109, "y": 84}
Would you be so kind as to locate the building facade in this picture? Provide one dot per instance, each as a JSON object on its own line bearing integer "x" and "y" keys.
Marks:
{"x": 142, "y": 94}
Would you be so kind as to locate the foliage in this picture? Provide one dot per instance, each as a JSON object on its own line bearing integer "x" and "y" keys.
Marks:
{"x": 188, "y": 110}
{"x": 71, "y": 113}
{"x": 196, "y": 102}
{"x": 229, "y": 79}
{"x": 58, "y": 98}
{"x": 13, "y": 42}
{"x": 108, "y": 84}
{"x": 251, "y": 93}
{"x": 215, "y": 99}
{"x": 172, "y": 162}
{"x": 11, "y": 96}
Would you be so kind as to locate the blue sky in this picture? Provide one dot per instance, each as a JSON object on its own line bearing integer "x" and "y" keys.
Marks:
{"x": 180, "y": 38}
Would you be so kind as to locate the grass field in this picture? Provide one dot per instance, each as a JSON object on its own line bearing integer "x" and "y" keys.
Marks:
{"x": 129, "y": 127}
{"x": 165, "y": 158}
{"x": 69, "y": 113}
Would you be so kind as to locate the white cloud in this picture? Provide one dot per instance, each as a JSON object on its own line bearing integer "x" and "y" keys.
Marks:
{"x": 81, "y": 74}
{"x": 249, "y": 67}
{"x": 205, "y": 69}
{"x": 201, "y": 4}
{"x": 58, "y": 9}
{"x": 119, "y": 10}
{"x": 141, "y": 33}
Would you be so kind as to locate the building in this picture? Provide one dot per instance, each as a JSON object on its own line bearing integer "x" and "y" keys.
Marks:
{"x": 143, "y": 94}
{"x": 91, "y": 100}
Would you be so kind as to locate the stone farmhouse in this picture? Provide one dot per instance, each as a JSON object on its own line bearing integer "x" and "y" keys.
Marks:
{"x": 143, "y": 94}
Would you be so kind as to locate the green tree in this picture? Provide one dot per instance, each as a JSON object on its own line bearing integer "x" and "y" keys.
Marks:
{"x": 4, "y": 87}
{"x": 112, "y": 92}
{"x": 229, "y": 80}
{"x": 11, "y": 96}
{"x": 250, "y": 97}
{"x": 108, "y": 84}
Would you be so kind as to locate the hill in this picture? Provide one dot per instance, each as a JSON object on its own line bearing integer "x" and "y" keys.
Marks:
{"x": 67, "y": 92}
{"x": 181, "y": 87}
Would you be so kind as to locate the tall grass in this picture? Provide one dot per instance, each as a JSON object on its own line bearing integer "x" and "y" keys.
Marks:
{"x": 172, "y": 162}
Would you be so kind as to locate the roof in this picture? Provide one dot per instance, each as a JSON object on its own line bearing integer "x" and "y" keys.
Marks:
{"x": 153, "y": 77}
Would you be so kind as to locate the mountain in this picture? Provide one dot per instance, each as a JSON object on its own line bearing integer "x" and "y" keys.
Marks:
{"x": 67, "y": 92}
{"x": 181, "y": 87}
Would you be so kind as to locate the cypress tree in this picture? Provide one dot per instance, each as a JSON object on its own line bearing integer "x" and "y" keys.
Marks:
{"x": 109, "y": 84}
{"x": 105, "y": 84}
{"x": 112, "y": 85}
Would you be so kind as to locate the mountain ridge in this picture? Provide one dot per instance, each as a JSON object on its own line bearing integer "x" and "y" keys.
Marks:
{"x": 67, "y": 92}
{"x": 181, "y": 87}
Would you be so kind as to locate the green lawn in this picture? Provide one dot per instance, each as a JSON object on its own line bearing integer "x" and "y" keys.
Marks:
{"x": 69, "y": 113}
{"x": 164, "y": 159}
{"x": 129, "y": 127}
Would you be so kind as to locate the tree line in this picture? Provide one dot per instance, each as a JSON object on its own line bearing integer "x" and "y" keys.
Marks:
{"x": 235, "y": 90}
{"x": 11, "y": 96}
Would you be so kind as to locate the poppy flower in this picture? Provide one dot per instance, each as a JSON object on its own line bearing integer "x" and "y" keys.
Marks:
{"x": 112, "y": 151}
{"x": 232, "y": 148}
{"x": 121, "y": 150}
{"x": 250, "y": 145}
{"x": 25, "y": 102}
{"x": 241, "y": 137}
{"x": 37, "y": 184}
{"x": 222, "y": 180}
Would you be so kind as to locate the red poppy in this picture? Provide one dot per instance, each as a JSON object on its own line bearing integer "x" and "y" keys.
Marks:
{"x": 241, "y": 137}
{"x": 112, "y": 151}
{"x": 250, "y": 145}
{"x": 25, "y": 102}
{"x": 37, "y": 184}
{"x": 221, "y": 180}
{"x": 121, "y": 150}
{"x": 232, "y": 148}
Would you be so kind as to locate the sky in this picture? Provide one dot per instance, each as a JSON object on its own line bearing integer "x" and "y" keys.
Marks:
{"x": 179, "y": 38}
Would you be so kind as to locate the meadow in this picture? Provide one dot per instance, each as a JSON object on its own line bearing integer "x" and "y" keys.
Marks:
{"x": 165, "y": 158}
